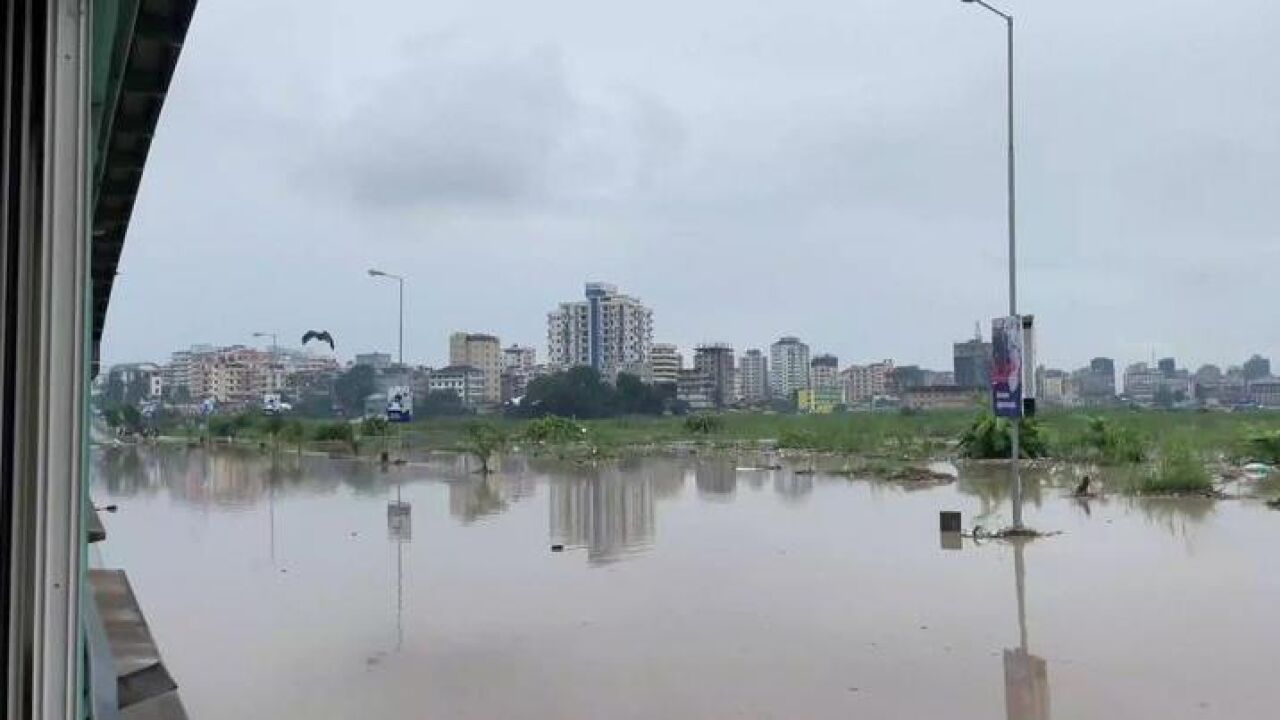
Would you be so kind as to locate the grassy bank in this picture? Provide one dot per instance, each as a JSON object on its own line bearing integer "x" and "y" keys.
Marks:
{"x": 1107, "y": 437}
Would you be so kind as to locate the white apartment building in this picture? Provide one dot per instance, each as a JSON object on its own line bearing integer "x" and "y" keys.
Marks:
{"x": 788, "y": 367}
{"x": 483, "y": 352}
{"x": 467, "y": 382}
{"x": 608, "y": 331}
{"x": 862, "y": 383}
{"x": 665, "y": 363}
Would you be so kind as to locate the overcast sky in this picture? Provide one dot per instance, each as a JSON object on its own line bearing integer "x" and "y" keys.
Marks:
{"x": 832, "y": 169}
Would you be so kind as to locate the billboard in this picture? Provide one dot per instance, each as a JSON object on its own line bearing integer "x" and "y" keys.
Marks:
{"x": 1006, "y": 366}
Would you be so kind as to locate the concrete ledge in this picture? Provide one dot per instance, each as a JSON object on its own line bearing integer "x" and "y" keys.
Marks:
{"x": 144, "y": 687}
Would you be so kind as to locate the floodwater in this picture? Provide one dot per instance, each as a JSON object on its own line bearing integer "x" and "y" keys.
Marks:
{"x": 687, "y": 588}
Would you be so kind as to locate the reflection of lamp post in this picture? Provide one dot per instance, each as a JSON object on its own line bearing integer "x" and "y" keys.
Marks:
{"x": 1026, "y": 677}
{"x": 1013, "y": 273}
{"x": 400, "y": 532}
{"x": 399, "y": 279}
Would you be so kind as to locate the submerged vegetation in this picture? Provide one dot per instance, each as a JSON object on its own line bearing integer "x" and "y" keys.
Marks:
{"x": 1179, "y": 471}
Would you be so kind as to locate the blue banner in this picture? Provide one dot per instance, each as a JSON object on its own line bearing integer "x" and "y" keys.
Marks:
{"x": 1006, "y": 366}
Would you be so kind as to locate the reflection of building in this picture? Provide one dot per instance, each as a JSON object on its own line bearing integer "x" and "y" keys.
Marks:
{"x": 608, "y": 331}
{"x": 791, "y": 486}
{"x": 788, "y": 368}
{"x": 474, "y": 499}
{"x": 716, "y": 478}
{"x": 608, "y": 514}
{"x": 482, "y": 352}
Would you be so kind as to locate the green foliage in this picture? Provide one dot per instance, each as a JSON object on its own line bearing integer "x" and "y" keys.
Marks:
{"x": 335, "y": 431}
{"x": 272, "y": 425}
{"x": 581, "y": 393}
{"x": 1179, "y": 472}
{"x": 554, "y": 430}
{"x": 440, "y": 403}
{"x": 294, "y": 432}
{"x": 703, "y": 424}
{"x": 131, "y": 418}
{"x": 373, "y": 427}
{"x": 1264, "y": 446}
{"x": 482, "y": 441}
{"x": 1110, "y": 443}
{"x": 352, "y": 387}
{"x": 990, "y": 437}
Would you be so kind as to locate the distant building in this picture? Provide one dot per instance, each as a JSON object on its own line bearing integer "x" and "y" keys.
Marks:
{"x": 1140, "y": 383}
{"x": 941, "y": 397}
{"x": 1257, "y": 368}
{"x": 788, "y": 367}
{"x": 753, "y": 377}
{"x": 607, "y": 331}
{"x": 819, "y": 400}
{"x": 483, "y": 352}
{"x": 665, "y": 363}
{"x": 1167, "y": 367}
{"x": 1053, "y": 387}
{"x": 934, "y": 378}
{"x": 519, "y": 357}
{"x": 1265, "y": 392}
{"x": 716, "y": 362}
{"x": 905, "y": 377}
{"x": 467, "y": 382}
{"x": 971, "y": 363}
{"x": 375, "y": 360}
{"x": 1096, "y": 384}
{"x": 696, "y": 389}
{"x": 863, "y": 383}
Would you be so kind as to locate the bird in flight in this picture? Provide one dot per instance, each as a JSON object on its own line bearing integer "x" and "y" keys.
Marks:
{"x": 321, "y": 335}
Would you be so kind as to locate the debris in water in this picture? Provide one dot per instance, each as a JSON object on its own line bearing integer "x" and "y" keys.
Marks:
{"x": 1082, "y": 490}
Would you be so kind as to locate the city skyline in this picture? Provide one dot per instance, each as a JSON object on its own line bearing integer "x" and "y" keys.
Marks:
{"x": 860, "y": 207}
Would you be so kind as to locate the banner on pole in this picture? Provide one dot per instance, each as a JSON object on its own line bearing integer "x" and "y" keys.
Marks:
{"x": 1006, "y": 366}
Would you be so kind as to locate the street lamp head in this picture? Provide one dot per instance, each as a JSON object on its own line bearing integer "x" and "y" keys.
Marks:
{"x": 375, "y": 273}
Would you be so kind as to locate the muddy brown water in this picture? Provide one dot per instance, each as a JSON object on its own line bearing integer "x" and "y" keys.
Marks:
{"x": 687, "y": 588}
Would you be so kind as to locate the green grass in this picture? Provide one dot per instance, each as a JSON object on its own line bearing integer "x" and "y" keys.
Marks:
{"x": 1179, "y": 471}
{"x": 1129, "y": 436}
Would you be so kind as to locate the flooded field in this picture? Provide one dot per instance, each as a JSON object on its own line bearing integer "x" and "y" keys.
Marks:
{"x": 305, "y": 587}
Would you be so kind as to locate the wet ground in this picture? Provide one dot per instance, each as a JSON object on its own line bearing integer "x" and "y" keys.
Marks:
{"x": 686, "y": 588}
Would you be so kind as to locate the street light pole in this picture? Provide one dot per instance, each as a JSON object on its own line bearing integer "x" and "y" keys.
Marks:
{"x": 1014, "y": 450}
{"x": 399, "y": 279}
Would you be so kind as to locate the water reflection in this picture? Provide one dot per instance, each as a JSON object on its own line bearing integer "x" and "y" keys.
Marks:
{"x": 716, "y": 479}
{"x": 1026, "y": 676}
{"x": 605, "y": 510}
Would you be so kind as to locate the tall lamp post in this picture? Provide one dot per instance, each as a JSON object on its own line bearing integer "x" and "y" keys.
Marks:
{"x": 399, "y": 279}
{"x": 1013, "y": 271}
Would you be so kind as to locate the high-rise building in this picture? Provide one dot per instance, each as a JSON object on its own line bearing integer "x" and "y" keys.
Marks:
{"x": 753, "y": 377}
{"x": 467, "y": 382}
{"x": 716, "y": 362}
{"x": 788, "y": 367}
{"x": 484, "y": 353}
{"x": 1167, "y": 367}
{"x": 971, "y": 363}
{"x": 665, "y": 363}
{"x": 519, "y": 357}
{"x": 607, "y": 331}
{"x": 862, "y": 383}
{"x": 825, "y": 390}
{"x": 1257, "y": 368}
